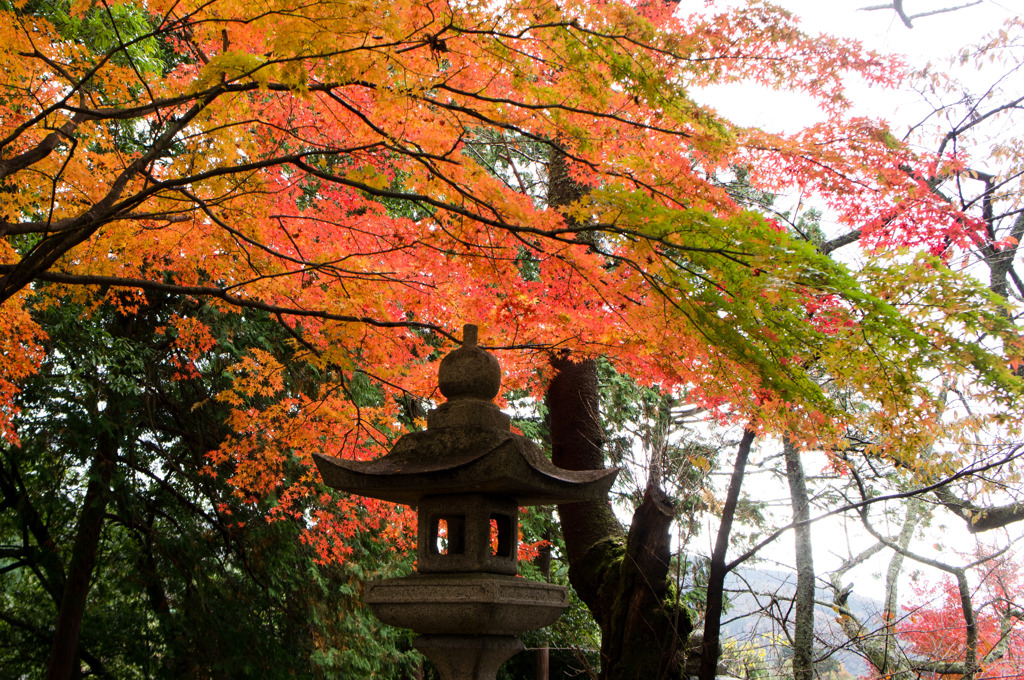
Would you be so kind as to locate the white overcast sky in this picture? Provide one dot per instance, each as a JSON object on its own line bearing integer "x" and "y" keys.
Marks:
{"x": 933, "y": 38}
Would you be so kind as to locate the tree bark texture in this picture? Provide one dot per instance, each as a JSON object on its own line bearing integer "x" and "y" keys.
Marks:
{"x": 803, "y": 623}
{"x": 621, "y": 577}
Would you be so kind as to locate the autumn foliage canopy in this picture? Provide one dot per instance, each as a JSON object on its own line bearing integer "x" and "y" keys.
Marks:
{"x": 376, "y": 174}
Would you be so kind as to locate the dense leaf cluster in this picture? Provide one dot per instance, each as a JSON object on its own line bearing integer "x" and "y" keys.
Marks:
{"x": 188, "y": 580}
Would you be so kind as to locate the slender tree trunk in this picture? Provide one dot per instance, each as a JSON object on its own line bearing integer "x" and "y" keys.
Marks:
{"x": 718, "y": 568}
{"x": 542, "y": 662}
{"x": 803, "y": 625}
{"x": 542, "y": 655}
{"x": 64, "y": 655}
{"x": 892, "y": 577}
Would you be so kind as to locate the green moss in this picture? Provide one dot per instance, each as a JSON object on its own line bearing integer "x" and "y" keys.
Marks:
{"x": 610, "y": 585}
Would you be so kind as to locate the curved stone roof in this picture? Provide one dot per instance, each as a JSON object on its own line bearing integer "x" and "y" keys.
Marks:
{"x": 466, "y": 448}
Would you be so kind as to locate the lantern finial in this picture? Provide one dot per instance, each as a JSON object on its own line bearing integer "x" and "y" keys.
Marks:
{"x": 469, "y": 372}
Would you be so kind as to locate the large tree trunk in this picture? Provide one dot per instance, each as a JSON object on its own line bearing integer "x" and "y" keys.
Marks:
{"x": 109, "y": 431}
{"x": 803, "y": 623}
{"x": 622, "y": 577}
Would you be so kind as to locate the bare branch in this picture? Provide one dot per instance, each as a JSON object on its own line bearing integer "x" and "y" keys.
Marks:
{"x": 907, "y": 19}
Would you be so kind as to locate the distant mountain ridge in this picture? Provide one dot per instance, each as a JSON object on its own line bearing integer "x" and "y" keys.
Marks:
{"x": 755, "y": 595}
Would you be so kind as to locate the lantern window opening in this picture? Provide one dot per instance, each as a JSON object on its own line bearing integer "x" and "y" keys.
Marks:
{"x": 448, "y": 535}
{"x": 501, "y": 535}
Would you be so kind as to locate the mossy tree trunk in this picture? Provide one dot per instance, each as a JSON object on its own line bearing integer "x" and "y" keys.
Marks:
{"x": 621, "y": 575}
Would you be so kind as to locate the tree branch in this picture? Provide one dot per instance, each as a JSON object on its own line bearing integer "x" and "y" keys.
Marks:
{"x": 1014, "y": 453}
{"x": 907, "y": 19}
{"x": 225, "y": 295}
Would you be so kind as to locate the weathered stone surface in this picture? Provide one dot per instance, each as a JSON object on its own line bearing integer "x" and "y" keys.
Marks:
{"x": 469, "y": 372}
{"x": 483, "y": 604}
{"x": 468, "y": 657}
{"x": 464, "y": 460}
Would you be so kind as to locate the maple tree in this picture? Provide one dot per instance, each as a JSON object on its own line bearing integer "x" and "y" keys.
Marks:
{"x": 373, "y": 177}
{"x": 973, "y": 123}
{"x": 974, "y": 130}
{"x": 216, "y": 191}
{"x": 906, "y": 525}
{"x": 959, "y": 629}
{"x": 936, "y": 630}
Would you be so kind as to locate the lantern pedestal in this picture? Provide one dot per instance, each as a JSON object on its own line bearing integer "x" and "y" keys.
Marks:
{"x": 443, "y": 608}
{"x": 458, "y": 604}
{"x": 468, "y": 657}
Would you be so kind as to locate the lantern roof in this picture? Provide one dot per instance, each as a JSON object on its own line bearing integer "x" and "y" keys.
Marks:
{"x": 467, "y": 448}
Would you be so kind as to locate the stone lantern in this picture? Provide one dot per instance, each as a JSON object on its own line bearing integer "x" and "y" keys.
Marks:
{"x": 467, "y": 474}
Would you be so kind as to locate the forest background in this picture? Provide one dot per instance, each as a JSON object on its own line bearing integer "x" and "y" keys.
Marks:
{"x": 236, "y": 235}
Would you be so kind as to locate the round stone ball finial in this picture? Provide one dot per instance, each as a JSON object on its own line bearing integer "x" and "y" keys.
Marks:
{"x": 469, "y": 372}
